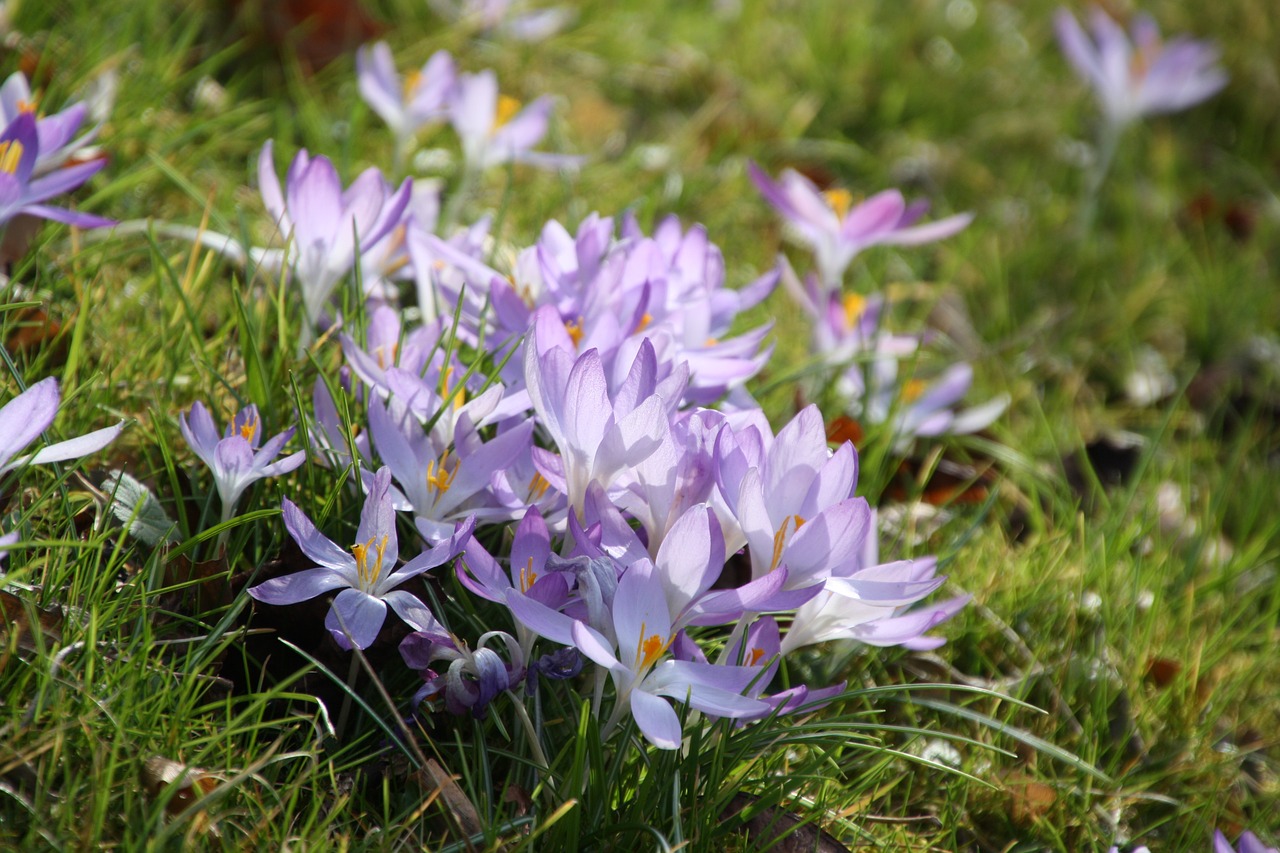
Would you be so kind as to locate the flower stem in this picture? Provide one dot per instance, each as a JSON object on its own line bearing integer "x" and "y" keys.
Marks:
{"x": 1108, "y": 141}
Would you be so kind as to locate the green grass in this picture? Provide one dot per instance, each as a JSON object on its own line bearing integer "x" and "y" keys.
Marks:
{"x": 968, "y": 104}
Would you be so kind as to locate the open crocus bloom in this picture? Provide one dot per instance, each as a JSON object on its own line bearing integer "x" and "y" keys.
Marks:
{"x": 367, "y": 576}
{"x": 837, "y": 229}
{"x": 494, "y": 129}
{"x": 21, "y": 191}
{"x": 1142, "y": 75}
{"x": 410, "y": 104}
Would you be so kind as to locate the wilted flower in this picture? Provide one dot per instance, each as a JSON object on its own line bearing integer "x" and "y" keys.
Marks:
{"x": 22, "y": 192}
{"x": 472, "y": 679}
{"x": 367, "y": 576}
{"x": 837, "y": 229}
{"x": 23, "y": 418}
{"x": 235, "y": 459}
{"x": 1142, "y": 76}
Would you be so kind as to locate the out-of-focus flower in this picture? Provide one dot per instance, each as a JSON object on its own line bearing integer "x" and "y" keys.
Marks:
{"x": 506, "y": 17}
{"x": 1143, "y": 75}
{"x": 837, "y": 229}
{"x": 54, "y": 131}
{"x": 324, "y": 224}
{"x": 21, "y": 191}
{"x": 235, "y": 458}
{"x": 1247, "y": 843}
{"x": 367, "y": 576}
{"x": 407, "y": 105}
{"x": 23, "y": 418}
{"x": 495, "y": 129}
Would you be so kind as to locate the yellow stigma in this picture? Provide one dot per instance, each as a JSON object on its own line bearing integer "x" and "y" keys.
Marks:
{"x": 840, "y": 200}
{"x": 10, "y": 155}
{"x": 459, "y": 394}
{"x": 368, "y": 571}
{"x": 574, "y": 328}
{"x": 854, "y": 305}
{"x": 387, "y": 355}
{"x": 538, "y": 486}
{"x": 527, "y": 576}
{"x": 507, "y": 109}
{"x": 753, "y": 658}
{"x": 644, "y": 322}
{"x": 411, "y": 81}
{"x": 780, "y": 539}
{"x": 651, "y": 648}
{"x": 441, "y": 476}
{"x": 27, "y": 106}
{"x": 913, "y": 389}
{"x": 249, "y": 428}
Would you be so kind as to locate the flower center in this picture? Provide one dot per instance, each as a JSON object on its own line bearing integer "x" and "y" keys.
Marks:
{"x": 386, "y": 354}
{"x": 913, "y": 389}
{"x": 249, "y": 428}
{"x": 574, "y": 328}
{"x": 459, "y": 393}
{"x": 780, "y": 538}
{"x": 411, "y": 82}
{"x": 507, "y": 109}
{"x": 645, "y": 320}
{"x": 651, "y": 648}
{"x": 369, "y": 570}
{"x": 441, "y": 476}
{"x": 854, "y": 305}
{"x": 753, "y": 658}
{"x": 10, "y": 155}
{"x": 527, "y": 576}
{"x": 840, "y": 200}
{"x": 538, "y": 486}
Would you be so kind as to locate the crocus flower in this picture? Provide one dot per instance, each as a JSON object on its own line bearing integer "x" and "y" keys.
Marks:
{"x": 235, "y": 458}
{"x": 472, "y": 679}
{"x": 1139, "y": 76}
{"x": 506, "y": 17}
{"x": 643, "y": 674}
{"x": 367, "y": 576}
{"x": 407, "y": 105}
{"x": 1247, "y": 843}
{"x": 837, "y": 229}
{"x": 22, "y": 192}
{"x": 23, "y": 418}
{"x": 325, "y": 225}
{"x": 54, "y": 131}
{"x": 495, "y": 129}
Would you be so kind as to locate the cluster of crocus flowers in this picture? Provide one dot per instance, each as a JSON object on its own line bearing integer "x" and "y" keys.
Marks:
{"x": 1138, "y": 74}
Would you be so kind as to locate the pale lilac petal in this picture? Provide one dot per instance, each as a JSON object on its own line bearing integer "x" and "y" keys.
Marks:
{"x": 24, "y": 417}
{"x": 299, "y": 586}
{"x": 656, "y": 719}
{"x": 355, "y": 618}
{"x": 315, "y": 545}
{"x": 416, "y": 614}
{"x": 74, "y": 448}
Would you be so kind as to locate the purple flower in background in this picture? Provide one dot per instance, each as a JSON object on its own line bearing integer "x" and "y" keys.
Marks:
{"x": 407, "y": 105}
{"x": 1248, "y": 843}
{"x": 494, "y": 129}
{"x": 324, "y": 224}
{"x": 367, "y": 576}
{"x": 505, "y": 17}
{"x": 837, "y": 229}
{"x": 1143, "y": 76}
{"x": 23, "y": 418}
{"x": 235, "y": 458}
{"x": 22, "y": 192}
{"x": 54, "y": 132}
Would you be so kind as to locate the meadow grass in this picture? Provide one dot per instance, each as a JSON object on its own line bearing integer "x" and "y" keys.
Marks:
{"x": 1115, "y": 677}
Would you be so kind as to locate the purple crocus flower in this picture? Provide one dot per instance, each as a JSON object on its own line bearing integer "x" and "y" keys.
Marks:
{"x": 23, "y": 418}
{"x": 1143, "y": 75}
{"x": 54, "y": 131}
{"x": 22, "y": 192}
{"x": 643, "y": 674}
{"x": 472, "y": 679}
{"x": 1247, "y": 843}
{"x": 495, "y": 129}
{"x": 837, "y": 229}
{"x": 506, "y": 17}
{"x": 235, "y": 458}
{"x": 367, "y": 576}
{"x": 325, "y": 225}
{"x": 407, "y": 105}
